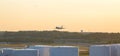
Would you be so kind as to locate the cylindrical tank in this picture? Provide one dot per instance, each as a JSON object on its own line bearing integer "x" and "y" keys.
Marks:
{"x": 100, "y": 50}
{"x": 115, "y": 50}
{"x": 7, "y": 51}
{"x": 64, "y": 51}
{"x": 1, "y": 52}
{"x": 25, "y": 52}
{"x": 43, "y": 50}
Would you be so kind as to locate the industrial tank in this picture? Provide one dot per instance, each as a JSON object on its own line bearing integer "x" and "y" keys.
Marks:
{"x": 100, "y": 50}
{"x": 64, "y": 51}
{"x": 7, "y": 52}
{"x": 25, "y": 52}
{"x": 43, "y": 50}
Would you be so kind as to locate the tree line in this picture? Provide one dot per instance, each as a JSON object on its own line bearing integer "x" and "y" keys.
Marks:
{"x": 59, "y": 36}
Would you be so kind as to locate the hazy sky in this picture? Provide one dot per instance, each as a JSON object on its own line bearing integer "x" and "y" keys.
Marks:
{"x": 74, "y": 15}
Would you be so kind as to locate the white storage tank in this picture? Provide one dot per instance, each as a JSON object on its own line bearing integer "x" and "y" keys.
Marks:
{"x": 43, "y": 50}
{"x": 25, "y": 52}
{"x": 64, "y": 51}
{"x": 115, "y": 50}
{"x": 1, "y": 52}
{"x": 100, "y": 50}
{"x": 7, "y": 52}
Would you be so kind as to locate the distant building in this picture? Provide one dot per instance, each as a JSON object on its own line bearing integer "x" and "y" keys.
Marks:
{"x": 82, "y": 31}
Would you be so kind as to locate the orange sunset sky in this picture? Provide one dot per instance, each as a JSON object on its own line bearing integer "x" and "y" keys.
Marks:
{"x": 74, "y": 15}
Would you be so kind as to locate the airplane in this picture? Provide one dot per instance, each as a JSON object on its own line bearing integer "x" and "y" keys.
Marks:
{"x": 60, "y": 27}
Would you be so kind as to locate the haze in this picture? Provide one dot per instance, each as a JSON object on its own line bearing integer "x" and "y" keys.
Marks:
{"x": 74, "y": 15}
